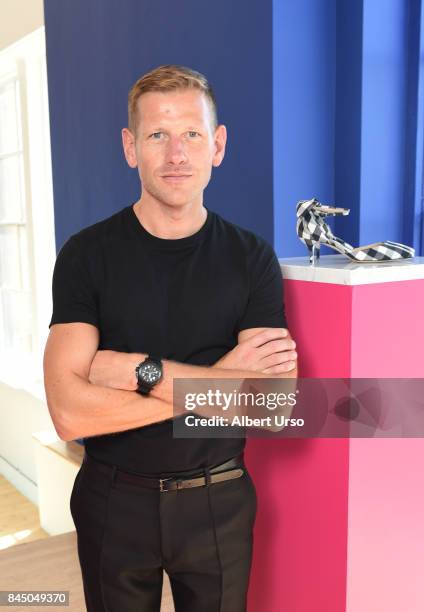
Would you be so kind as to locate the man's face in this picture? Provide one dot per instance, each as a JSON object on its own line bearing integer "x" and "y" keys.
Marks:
{"x": 176, "y": 145}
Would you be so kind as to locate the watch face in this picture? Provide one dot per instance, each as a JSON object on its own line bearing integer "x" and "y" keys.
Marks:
{"x": 149, "y": 373}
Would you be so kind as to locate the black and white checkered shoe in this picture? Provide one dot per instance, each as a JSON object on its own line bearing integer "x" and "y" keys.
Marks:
{"x": 313, "y": 231}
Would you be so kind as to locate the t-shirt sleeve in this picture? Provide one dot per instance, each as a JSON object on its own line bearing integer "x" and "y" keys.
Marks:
{"x": 74, "y": 295}
{"x": 265, "y": 306}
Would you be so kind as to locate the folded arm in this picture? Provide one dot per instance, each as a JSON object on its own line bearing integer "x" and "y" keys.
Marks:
{"x": 260, "y": 353}
{"x": 81, "y": 405}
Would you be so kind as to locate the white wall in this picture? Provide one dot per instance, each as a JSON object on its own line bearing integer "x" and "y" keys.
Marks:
{"x": 19, "y": 17}
{"x": 21, "y": 414}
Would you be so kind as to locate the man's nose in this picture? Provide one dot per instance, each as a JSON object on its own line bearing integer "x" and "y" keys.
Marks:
{"x": 176, "y": 153}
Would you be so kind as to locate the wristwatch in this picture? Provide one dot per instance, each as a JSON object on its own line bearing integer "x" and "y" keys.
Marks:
{"x": 148, "y": 372}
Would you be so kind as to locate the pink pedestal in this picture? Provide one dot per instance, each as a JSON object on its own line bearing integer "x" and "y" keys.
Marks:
{"x": 339, "y": 525}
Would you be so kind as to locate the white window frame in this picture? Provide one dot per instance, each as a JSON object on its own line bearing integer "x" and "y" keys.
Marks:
{"x": 26, "y": 59}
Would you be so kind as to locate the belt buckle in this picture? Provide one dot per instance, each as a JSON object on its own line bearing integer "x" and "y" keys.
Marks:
{"x": 178, "y": 482}
{"x": 161, "y": 481}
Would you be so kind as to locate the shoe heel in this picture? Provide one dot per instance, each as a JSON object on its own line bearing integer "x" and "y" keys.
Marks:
{"x": 313, "y": 248}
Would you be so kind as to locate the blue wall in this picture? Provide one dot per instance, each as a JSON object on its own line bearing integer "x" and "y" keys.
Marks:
{"x": 304, "y": 105}
{"x": 349, "y": 117}
{"x": 321, "y": 98}
{"x": 96, "y": 49}
{"x": 384, "y": 108}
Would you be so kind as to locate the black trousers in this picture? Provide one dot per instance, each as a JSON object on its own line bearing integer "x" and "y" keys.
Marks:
{"x": 128, "y": 534}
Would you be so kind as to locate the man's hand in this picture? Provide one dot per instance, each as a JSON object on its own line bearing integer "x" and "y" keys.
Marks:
{"x": 115, "y": 369}
{"x": 270, "y": 351}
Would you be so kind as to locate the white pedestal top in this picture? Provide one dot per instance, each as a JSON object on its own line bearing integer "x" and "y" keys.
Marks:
{"x": 340, "y": 270}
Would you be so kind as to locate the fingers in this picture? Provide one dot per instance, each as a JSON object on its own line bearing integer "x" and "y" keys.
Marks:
{"x": 281, "y": 369}
{"x": 276, "y": 346}
{"x": 278, "y": 358}
{"x": 266, "y": 335}
{"x": 271, "y": 351}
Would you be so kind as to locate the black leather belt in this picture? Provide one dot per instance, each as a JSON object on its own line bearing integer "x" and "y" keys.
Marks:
{"x": 233, "y": 468}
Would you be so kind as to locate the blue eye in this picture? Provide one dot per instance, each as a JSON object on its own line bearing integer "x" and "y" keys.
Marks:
{"x": 192, "y": 133}
{"x": 156, "y": 135}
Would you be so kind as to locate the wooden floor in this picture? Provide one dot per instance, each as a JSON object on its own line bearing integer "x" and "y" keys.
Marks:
{"x": 19, "y": 520}
{"x": 30, "y": 559}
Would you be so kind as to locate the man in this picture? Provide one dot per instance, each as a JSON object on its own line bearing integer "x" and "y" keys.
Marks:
{"x": 170, "y": 289}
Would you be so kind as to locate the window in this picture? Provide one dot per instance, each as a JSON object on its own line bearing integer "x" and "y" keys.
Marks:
{"x": 15, "y": 290}
{"x": 27, "y": 248}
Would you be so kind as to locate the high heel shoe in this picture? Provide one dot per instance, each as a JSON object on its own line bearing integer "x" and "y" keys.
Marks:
{"x": 313, "y": 231}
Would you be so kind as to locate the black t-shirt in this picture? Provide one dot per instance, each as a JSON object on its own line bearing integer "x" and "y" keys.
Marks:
{"x": 182, "y": 299}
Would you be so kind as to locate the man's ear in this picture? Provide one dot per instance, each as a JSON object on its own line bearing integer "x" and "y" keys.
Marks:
{"x": 128, "y": 142}
{"x": 220, "y": 140}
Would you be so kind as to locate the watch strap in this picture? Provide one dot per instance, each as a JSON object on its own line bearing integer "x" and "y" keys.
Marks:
{"x": 152, "y": 358}
{"x": 143, "y": 389}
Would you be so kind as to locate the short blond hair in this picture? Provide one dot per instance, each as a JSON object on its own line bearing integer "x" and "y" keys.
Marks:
{"x": 169, "y": 77}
